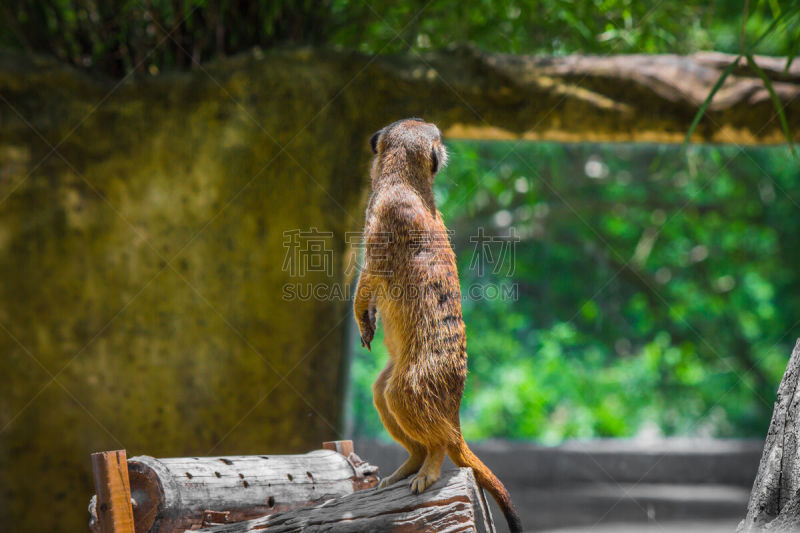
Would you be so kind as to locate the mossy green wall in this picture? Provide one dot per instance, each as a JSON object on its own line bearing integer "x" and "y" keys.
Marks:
{"x": 141, "y": 303}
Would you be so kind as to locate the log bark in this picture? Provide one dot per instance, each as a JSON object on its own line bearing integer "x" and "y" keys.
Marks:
{"x": 452, "y": 504}
{"x": 177, "y": 494}
{"x": 775, "y": 500}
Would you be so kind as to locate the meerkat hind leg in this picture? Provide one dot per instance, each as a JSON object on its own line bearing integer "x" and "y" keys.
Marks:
{"x": 430, "y": 471}
{"x": 416, "y": 451}
{"x": 410, "y": 466}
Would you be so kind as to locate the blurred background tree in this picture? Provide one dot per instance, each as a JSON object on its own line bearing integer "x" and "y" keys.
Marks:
{"x": 141, "y": 37}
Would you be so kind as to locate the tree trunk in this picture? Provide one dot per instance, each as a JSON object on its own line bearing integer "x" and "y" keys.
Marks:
{"x": 775, "y": 501}
{"x": 148, "y": 233}
{"x": 452, "y": 504}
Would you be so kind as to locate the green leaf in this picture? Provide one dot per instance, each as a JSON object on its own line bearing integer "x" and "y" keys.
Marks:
{"x": 775, "y": 100}
{"x": 775, "y": 7}
{"x": 789, "y": 13}
{"x": 707, "y": 102}
{"x": 792, "y": 54}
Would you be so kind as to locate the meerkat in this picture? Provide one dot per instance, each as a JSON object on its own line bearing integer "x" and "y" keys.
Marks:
{"x": 409, "y": 278}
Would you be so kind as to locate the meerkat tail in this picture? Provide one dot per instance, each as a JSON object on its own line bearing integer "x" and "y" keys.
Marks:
{"x": 461, "y": 456}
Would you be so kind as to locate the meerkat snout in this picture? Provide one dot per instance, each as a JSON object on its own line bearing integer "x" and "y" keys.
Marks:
{"x": 439, "y": 156}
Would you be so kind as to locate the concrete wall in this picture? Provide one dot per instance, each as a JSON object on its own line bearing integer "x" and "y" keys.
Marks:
{"x": 610, "y": 482}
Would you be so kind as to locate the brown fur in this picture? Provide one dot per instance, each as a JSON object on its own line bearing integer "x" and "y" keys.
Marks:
{"x": 410, "y": 276}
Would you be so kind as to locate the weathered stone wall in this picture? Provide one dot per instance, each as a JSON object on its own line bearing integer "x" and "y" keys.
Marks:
{"x": 143, "y": 271}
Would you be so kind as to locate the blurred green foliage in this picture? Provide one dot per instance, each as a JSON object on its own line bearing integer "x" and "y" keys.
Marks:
{"x": 146, "y": 36}
{"x": 658, "y": 290}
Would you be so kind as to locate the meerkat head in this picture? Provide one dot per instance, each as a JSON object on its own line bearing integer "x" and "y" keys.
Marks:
{"x": 411, "y": 142}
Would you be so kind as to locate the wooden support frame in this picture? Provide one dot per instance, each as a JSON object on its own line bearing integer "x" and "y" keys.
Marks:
{"x": 113, "y": 507}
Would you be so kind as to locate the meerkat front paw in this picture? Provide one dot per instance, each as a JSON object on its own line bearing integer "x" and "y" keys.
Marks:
{"x": 367, "y": 335}
{"x": 422, "y": 481}
{"x": 367, "y": 327}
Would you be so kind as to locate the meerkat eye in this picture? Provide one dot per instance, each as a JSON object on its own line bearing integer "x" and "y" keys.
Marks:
{"x": 435, "y": 160}
{"x": 373, "y": 141}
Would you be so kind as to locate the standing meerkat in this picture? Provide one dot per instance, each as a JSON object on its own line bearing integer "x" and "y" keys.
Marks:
{"x": 409, "y": 275}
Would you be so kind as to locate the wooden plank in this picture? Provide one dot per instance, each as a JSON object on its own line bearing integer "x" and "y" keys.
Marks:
{"x": 451, "y": 505}
{"x": 114, "y": 510}
{"x": 344, "y": 447}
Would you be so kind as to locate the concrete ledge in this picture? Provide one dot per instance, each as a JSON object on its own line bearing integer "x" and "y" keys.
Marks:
{"x": 612, "y": 481}
{"x": 682, "y": 461}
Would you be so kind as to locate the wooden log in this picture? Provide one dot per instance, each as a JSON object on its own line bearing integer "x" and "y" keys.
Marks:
{"x": 113, "y": 508}
{"x": 177, "y": 494}
{"x": 775, "y": 500}
{"x": 452, "y": 504}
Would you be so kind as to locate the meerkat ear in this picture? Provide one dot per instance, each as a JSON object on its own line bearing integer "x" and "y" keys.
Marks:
{"x": 373, "y": 141}
{"x": 435, "y": 160}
